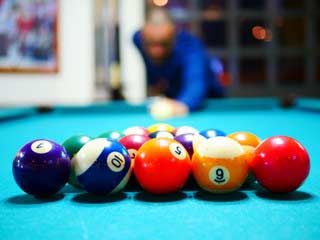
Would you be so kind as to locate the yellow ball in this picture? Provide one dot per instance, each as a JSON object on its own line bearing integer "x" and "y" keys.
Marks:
{"x": 160, "y": 127}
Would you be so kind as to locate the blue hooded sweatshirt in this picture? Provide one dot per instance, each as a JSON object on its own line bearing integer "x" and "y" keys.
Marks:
{"x": 188, "y": 72}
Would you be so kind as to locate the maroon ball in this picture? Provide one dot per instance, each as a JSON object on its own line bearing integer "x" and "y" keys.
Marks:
{"x": 133, "y": 142}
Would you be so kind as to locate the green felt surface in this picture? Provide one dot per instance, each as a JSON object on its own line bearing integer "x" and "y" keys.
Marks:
{"x": 16, "y": 112}
{"x": 310, "y": 104}
{"x": 192, "y": 214}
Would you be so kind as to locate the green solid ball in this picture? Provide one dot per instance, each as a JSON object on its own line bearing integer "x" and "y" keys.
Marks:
{"x": 72, "y": 146}
{"x": 111, "y": 135}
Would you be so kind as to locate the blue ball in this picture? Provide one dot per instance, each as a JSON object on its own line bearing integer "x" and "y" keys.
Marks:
{"x": 209, "y": 133}
{"x": 41, "y": 167}
{"x": 103, "y": 166}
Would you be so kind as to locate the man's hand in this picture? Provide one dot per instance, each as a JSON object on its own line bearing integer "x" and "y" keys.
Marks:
{"x": 165, "y": 108}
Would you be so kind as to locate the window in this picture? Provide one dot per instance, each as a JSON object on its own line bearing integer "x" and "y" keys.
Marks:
{"x": 252, "y": 71}
{"x": 263, "y": 43}
{"x": 253, "y": 32}
{"x": 292, "y": 4}
{"x": 291, "y": 31}
{"x": 252, "y": 4}
{"x": 318, "y": 32}
{"x": 214, "y": 33}
{"x": 213, "y": 4}
{"x": 318, "y": 71}
{"x": 291, "y": 70}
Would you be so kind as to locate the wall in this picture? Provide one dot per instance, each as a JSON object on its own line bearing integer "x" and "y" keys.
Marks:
{"x": 74, "y": 84}
{"x": 133, "y": 77}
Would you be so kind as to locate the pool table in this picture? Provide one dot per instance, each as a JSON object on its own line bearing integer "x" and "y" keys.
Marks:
{"x": 250, "y": 213}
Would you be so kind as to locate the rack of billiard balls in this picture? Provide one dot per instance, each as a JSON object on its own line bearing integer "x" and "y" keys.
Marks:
{"x": 161, "y": 158}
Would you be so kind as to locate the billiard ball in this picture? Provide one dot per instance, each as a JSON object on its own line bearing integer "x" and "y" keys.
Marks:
{"x": 136, "y": 130}
{"x": 162, "y": 166}
{"x": 218, "y": 164}
{"x": 161, "y": 109}
{"x": 72, "y": 146}
{"x": 161, "y": 134}
{"x": 245, "y": 138}
{"x": 249, "y": 153}
{"x": 160, "y": 127}
{"x": 184, "y": 130}
{"x": 41, "y": 167}
{"x": 249, "y": 141}
{"x": 288, "y": 101}
{"x": 103, "y": 166}
{"x": 133, "y": 143}
{"x": 186, "y": 141}
{"x": 111, "y": 135}
{"x": 209, "y": 133}
{"x": 280, "y": 164}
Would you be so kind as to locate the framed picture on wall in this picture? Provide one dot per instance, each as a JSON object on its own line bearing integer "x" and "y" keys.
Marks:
{"x": 28, "y": 36}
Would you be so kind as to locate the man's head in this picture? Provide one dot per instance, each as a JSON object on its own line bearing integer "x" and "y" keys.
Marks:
{"x": 158, "y": 35}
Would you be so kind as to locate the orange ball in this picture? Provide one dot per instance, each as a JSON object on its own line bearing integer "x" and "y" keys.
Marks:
{"x": 249, "y": 153}
{"x": 219, "y": 164}
{"x": 245, "y": 138}
{"x": 162, "y": 166}
{"x": 249, "y": 142}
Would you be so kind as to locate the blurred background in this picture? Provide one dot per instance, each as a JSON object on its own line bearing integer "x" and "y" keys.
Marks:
{"x": 264, "y": 47}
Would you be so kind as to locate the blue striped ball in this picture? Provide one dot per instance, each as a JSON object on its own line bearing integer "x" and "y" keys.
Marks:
{"x": 103, "y": 166}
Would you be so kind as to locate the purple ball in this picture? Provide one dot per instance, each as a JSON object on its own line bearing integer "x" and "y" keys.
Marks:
{"x": 186, "y": 141}
{"x": 41, "y": 167}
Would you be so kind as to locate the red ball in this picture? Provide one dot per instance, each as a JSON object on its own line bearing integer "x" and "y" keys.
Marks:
{"x": 280, "y": 164}
{"x": 133, "y": 142}
{"x": 162, "y": 166}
